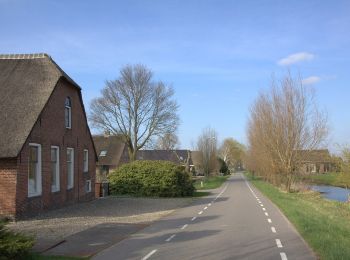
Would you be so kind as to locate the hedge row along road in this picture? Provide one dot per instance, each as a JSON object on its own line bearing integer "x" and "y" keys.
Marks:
{"x": 237, "y": 222}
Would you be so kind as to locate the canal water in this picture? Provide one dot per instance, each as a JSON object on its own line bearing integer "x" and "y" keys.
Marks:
{"x": 332, "y": 192}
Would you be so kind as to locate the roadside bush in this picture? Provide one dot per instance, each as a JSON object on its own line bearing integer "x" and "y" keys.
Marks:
{"x": 151, "y": 178}
{"x": 13, "y": 245}
{"x": 223, "y": 167}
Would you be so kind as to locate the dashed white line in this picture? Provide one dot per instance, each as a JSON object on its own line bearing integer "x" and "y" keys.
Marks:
{"x": 205, "y": 208}
{"x": 200, "y": 212}
{"x": 283, "y": 256}
{"x": 263, "y": 209}
{"x": 267, "y": 214}
{"x": 279, "y": 244}
{"x": 261, "y": 205}
{"x": 269, "y": 220}
{"x": 209, "y": 204}
{"x": 184, "y": 226}
{"x": 149, "y": 254}
{"x": 193, "y": 219}
{"x": 273, "y": 229}
{"x": 170, "y": 238}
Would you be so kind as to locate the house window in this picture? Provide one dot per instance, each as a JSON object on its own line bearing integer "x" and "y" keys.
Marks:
{"x": 70, "y": 168}
{"x": 103, "y": 153}
{"x": 86, "y": 161}
{"x": 68, "y": 113}
{"x": 55, "y": 168}
{"x": 88, "y": 186}
{"x": 34, "y": 171}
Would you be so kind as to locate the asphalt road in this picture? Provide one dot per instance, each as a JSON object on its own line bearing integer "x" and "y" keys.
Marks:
{"x": 237, "y": 222}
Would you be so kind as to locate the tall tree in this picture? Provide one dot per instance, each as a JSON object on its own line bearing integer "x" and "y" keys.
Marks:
{"x": 135, "y": 107}
{"x": 283, "y": 121}
{"x": 207, "y": 146}
{"x": 168, "y": 141}
{"x": 231, "y": 151}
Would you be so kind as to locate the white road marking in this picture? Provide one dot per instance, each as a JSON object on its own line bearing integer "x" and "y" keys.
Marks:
{"x": 149, "y": 254}
{"x": 279, "y": 244}
{"x": 205, "y": 208}
{"x": 209, "y": 204}
{"x": 264, "y": 209}
{"x": 283, "y": 256}
{"x": 200, "y": 212}
{"x": 261, "y": 205}
{"x": 194, "y": 218}
{"x": 273, "y": 229}
{"x": 170, "y": 238}
{"x": 267, "y": 214}
{"x": 269, "y": 220}
{"x": 184, "y": 226}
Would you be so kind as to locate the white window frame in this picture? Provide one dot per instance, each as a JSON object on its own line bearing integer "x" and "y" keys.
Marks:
{"x": 89, "y": 186}
{"x": 70, "y": 178}
{"x": 38, "y": 192}
{"x": 103, "y": 153}
{"x": 69, "y": 107}
{"x": 55, "y": 188}
{"x": 86, "y": 162}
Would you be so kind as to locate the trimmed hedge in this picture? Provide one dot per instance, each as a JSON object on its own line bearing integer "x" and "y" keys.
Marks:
{"x": 151, "y": 178}
{"x": 13, "y": 245}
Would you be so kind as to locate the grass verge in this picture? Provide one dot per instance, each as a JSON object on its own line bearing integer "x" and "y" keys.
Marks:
{"x": 324, "y": 224}
{"x": 211, "y": 182}
{"x": 332, "y": 179}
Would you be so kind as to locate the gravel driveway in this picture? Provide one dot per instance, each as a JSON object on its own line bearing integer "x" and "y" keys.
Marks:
{"x": 60, "y": 223}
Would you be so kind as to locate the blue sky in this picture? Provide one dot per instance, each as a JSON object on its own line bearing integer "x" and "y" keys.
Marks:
{"x": 217, "y": 55}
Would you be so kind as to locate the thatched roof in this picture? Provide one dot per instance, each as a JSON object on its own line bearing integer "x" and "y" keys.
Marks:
{"x": 109, "y": 149}
{"x": 175, "y": 156}
{"x": 26, "y": 84}
{"x": 315, "y": 156}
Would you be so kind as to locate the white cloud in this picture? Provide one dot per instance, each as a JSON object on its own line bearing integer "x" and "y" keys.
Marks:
{"x": 311, "y": 80}
{"x": 295, "y": 58}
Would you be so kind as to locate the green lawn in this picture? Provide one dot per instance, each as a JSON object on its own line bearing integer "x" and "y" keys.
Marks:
{"x": 324, "y": 224}
{"x": 326, "y": 179}
{"x": 211, "y": 182}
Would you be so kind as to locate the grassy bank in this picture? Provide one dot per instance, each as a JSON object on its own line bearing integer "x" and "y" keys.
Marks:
{"x": 333, "y": 179}
{"x": 211, "y": 182}
{"x": 324, "y": 224}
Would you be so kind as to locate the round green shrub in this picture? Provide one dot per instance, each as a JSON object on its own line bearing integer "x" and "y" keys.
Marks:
{"x": 13, "y": 245}
{"x": 151, "y": 178}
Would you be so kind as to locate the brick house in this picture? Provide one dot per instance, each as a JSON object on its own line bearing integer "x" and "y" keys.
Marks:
{"x": 47, "y": 156}
{"x": 315, "y": 161}
{"x": 113, "y": 152}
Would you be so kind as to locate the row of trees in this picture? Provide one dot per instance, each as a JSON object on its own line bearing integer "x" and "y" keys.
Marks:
{"x": 228, "y": 155}
{"x": 284, "y": 120}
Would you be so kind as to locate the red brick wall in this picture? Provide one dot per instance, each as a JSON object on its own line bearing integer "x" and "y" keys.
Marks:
{"x": 49, "y": 131}
{"x": 8, "y": 171}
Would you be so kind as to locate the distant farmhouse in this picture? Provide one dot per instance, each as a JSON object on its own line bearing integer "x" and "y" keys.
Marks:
{"x": 47, "y": 155}
{"x": 113, "y": 152}
{"x": 315, "y": 161}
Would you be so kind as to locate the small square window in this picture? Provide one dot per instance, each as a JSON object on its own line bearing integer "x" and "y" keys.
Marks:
{"x": 103, "y": 153}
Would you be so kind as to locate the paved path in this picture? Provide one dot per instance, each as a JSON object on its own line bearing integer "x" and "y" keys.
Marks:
{"x": 238, "y": 222}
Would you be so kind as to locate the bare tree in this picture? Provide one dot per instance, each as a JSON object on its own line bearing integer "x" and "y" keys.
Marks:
{"x": 284, "y": 121}
{"x": 207, "y": 146}
{"x": 168, "y": 141}
{"x": 231, "y": 151}
{"x": 135, "y": 107}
